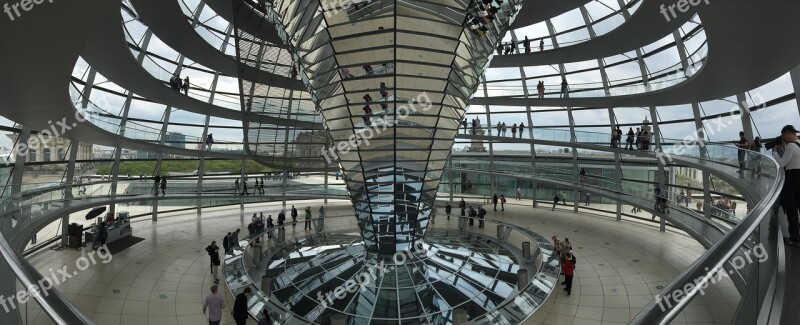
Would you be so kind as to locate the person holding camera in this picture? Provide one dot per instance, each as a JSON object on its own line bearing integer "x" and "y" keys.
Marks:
{"x": 787, "y": 154}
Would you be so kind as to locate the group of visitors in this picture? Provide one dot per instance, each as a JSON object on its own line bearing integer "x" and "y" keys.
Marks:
{"x": 557, "y": 198}
{"x": 179, "y": 85}
{"x": 501, "y": 129}
{"x": 487, "y": 13}
{"x": 240, "y": 188}
{"x": 723, "y": 206}
{"x": 159, "y": 182}
{"x": 640, "y": 140}
{"x": 563, "y": 251}
{"x": 751, "y": 149}
{"x": 616, "y": 136}
{"x": 508, "y": 48}
{"x": 495, "y": 199}
{"x": 382, "y": 90}
{"x": 214, "y": 303}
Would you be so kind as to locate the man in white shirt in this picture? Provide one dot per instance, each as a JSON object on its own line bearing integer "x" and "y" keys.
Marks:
{"x": 787, "y": 153}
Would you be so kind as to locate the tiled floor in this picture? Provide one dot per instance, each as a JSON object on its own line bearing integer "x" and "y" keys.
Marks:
{"x": 163, "y": 279}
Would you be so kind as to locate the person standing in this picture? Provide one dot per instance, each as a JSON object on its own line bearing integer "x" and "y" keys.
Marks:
{"x": 787, "y": 154}
{"x": 499, "y": 128}
{"x": 449, "y": 208}
{"x": 540, "y": 89}
{"x": 472, "y": 215}
{"x": 185, "y": 86}
{"x": 226, "y": 243}
{"x": 209, "y": 250}
{"x": 495, "y": 199}
{"x": 502, "y": 202}
{"x": 583, "y": 175}
{"x": 281, "y": 218}
{"x": 564, "y": 197}
{"x": 514, "y": 130}
{"x": 564, "y": 87}
{"x": 239, "y": 311}
{"x": 743, "y": 144}
{"x": 630, "y": 138}
{"x": 588, "y": 198}
{"x": 294, "y": 216}
{"x": 215, "y": 262}
{"x": 270, "y": 225}
{"x": 236, "y": 187}
{"x": 527, "y": 44}
{"x": 433, "y": 215}
{"x": 541, "y": 45}
{"x": 755, "y": 157}
{"x": 555, "y": 201}
{"x": 521, "y": 129}
{"x": 519, "y": 193}
{"x": 463, "y": 206}
{"x": 209, "y": 141}
{"x": 568, "y": 268}
{"x": 244, "y": 187}
{"x": 308, "y": 219}
{"x": 214, "y": 303}
{"x": 638, "y": 139}
{"x": 163, "y": 186}
{"x": 481, "y": 216}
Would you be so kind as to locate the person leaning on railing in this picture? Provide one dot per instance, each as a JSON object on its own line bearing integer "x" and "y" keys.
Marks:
{"x": 787, "y": 153}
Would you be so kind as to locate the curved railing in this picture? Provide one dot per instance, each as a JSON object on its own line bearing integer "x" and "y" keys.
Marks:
{"x": 750, "y": 232}
{"x": 664, "y": 78}
{"x": 520, "y": 304}
{"x": 580, "y": 34}
{"x": 104, "y": 120}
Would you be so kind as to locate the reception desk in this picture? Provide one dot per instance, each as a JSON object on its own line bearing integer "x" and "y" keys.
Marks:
{"x": 116, "y": 231}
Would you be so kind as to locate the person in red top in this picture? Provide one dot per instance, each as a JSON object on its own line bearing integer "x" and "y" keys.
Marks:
{"x": 568, "y": 268}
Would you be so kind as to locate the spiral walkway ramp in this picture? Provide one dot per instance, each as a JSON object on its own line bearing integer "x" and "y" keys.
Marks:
{"x": 375, "y": 119}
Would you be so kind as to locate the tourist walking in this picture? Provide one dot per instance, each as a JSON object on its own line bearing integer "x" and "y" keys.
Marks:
{"x": 449, "y": 208}
{"x": 308, "y": 219}
{"x": 568, "y": 268}
{"x": 214, "y": 304}
{"x": 555, "y": 201}
{"x": 294, "y": 216}
{"x": 215, "y": 262}
{"x": 163, "y": 186}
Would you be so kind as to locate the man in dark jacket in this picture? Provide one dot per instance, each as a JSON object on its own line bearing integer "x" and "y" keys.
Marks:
{"x": 481, "y": 216}
{"x": 239, "y": 311}
{"x": 472, "y": 215}
{"x": 495, "y": 199}
{"x": 281, "y": 218}
{"x": 215, "y": 262}
{"x": 294, "y": 216}
{"x": 226, "y": 243}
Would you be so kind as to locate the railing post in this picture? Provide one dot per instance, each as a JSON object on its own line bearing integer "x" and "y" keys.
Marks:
{"x": 522, "y": 279}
